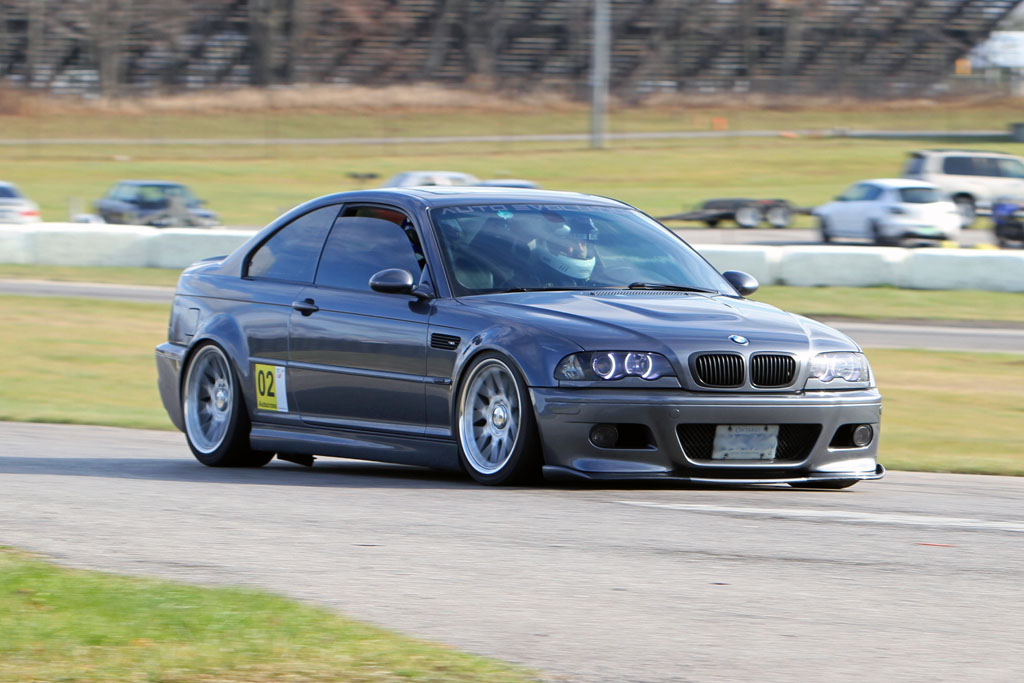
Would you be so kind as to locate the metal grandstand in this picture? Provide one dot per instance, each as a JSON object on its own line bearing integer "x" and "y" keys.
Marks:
{"x": 858, "y": 47}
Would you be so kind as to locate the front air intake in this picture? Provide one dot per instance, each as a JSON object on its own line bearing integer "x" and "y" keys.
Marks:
{"x": 719, "y": 369}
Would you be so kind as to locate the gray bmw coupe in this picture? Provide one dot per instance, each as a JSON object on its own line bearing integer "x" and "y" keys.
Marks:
{"x": 507, "y": 333}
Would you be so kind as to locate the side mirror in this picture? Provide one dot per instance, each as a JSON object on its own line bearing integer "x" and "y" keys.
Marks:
{"x": 392, "y": 281}
{"x": 744, "y": 283}
{"x": 398, "y": 281}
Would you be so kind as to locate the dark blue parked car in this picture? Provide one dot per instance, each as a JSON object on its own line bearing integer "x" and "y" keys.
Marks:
{"x": 154, "y": 202}
{"x": 508, "y": 333}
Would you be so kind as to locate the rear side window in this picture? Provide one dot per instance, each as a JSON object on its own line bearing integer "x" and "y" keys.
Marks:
{"x": 919, "y": 195}
{"x": 1010, "y": 168}
{"x": 292, "y": 252}
{"x": 959, "y": 166}
{"x": 7, "y": 192}
{"x": 359, "y": 247}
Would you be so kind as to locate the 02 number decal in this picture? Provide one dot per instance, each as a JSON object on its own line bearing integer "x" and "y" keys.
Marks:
{"x": 271, "y": 392}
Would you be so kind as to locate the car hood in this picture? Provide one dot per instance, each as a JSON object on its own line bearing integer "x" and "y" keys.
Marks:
{"x": 675, "y": 322}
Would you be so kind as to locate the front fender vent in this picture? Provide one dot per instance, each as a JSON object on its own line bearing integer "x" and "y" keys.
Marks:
{"x": 445, "y": 342}
{"x": 719, "y": 369}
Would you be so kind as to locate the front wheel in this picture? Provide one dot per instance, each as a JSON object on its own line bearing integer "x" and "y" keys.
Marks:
{"x": 216, "y": 422}
{"x": 497, "y": 431}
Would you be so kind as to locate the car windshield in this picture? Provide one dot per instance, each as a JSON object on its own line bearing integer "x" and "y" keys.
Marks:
{"x": 8, "y": 192}
{"x": 522, "y": 247}
{"x": 158, "y": 193}
{"x": 920, "y": 195}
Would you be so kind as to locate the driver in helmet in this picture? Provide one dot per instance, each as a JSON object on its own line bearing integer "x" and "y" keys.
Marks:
{"x": 568, "y": 252}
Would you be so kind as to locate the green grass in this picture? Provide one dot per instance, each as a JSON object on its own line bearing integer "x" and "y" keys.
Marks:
{"x": 951, "y": 412}
{"x": 161, "y": 277}
{"x": 91, "y": 362}
{"x": 81, "y": 361}
{"x": 892, "y": 303}
{"x": 59, "y": 624}
{"x": 251, "y": 184}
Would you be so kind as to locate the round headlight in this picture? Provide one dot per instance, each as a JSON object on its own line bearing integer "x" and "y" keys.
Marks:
{"x": 639, "y": 364}
{"x": 604, "y": 365}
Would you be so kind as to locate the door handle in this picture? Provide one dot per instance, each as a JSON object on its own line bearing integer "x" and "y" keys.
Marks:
{"x": 306, "y": 306}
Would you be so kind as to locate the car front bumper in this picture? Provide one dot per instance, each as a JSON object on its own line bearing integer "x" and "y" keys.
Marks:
{"x": 660, "y": 422}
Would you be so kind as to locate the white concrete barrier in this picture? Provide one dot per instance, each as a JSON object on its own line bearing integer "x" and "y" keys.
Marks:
{"x": 14, "y": 247}
{"x": 997, "y": 271}
{"x": 70, "y": 244}
{"x": 91, "y": 244}
{"x": 81, "y": 244}
{"x": 761, "y": 262}
{"x": 845, "y": 266}
{"x": 179, "y": 247}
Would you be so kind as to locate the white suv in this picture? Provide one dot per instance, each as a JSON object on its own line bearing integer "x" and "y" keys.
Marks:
{"x": 974, "y": 180}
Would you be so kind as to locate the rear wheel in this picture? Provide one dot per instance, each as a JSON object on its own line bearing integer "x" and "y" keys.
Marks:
{"x": 216, "y": 422}
{"x": 497, "y": 431}
{"x": 778, "y": 215}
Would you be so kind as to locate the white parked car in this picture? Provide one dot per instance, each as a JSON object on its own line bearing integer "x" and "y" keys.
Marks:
{"x": 888, "y": 210}
{"x": 974, "y": 180}
{"x": 15, "y": 207}
{"x": 425, "y": 178}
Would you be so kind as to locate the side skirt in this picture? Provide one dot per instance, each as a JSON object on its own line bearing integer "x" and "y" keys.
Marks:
{"x": 402, "y": 450}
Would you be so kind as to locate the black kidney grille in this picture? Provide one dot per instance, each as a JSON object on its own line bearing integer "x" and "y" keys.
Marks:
{"x": 795, "y": 440}
{"x": 446, "y": 342}
{"x": 719, "y": 369}
{"x": 767, "y": 370}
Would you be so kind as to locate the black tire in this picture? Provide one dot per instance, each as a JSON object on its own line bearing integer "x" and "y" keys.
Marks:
{"x": 834, "y": 485}
{"x": 495, "y": 425}
{"x": 711, "y": 222}
{"x": 216, "y": 420}
{"x": 826, "y": 233}
{"x": 968, "y": 211}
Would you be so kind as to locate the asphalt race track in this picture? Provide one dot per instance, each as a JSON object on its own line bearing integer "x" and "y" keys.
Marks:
{"x": 913, "y": 578}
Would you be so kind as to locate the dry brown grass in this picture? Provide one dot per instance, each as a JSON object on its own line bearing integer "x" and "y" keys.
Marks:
{"x": 431, "y": 98}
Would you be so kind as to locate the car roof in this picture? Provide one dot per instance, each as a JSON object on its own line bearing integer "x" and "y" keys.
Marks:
{"x": 898, "y": 183}
{"x": 971, "y": 152}
{"x": 448, "y": 195}
{"x": 166, "y": 183}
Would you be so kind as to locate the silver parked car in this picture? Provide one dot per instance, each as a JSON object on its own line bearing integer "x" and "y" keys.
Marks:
{"x": 16, "y": 207}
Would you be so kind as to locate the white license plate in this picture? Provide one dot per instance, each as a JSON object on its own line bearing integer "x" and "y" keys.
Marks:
{"x": 745, "y": 442}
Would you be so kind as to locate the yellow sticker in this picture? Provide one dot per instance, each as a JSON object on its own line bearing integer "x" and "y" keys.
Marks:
{"x": 271, "y": 391}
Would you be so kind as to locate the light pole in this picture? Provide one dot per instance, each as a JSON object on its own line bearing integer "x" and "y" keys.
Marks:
{"x": 600, "y": 65}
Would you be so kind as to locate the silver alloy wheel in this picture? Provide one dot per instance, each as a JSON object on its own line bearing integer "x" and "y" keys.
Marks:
{"x": 490, "y": 412}
{"x": 209, "y": 399}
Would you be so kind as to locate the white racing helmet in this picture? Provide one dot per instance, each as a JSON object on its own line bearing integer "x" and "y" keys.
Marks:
{"x": 569, "y": 249}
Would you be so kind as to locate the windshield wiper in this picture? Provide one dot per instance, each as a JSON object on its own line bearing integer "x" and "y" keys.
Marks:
{"x": 543, "y": 289}
{"x": 672, "y": 288}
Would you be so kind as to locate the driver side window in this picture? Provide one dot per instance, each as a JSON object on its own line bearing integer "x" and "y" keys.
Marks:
{"x": 360, "y": 246}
